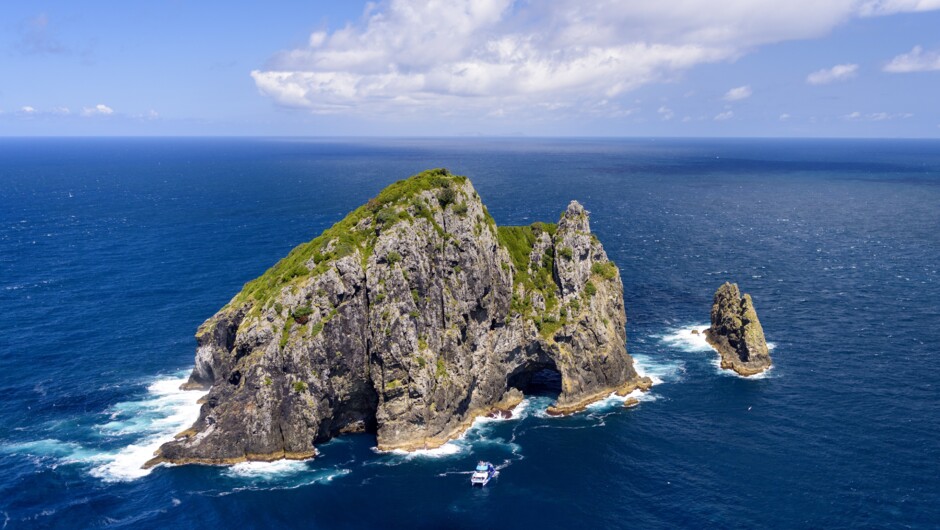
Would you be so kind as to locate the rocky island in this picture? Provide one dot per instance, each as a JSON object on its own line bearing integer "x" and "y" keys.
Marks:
{"x": 409, "y": 318}
{"x": 736, "y": 332}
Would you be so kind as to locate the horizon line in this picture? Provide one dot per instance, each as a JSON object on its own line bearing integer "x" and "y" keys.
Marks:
{"x": 451, "y": 137}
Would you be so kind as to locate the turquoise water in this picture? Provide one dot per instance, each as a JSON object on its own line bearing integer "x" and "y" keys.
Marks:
{"x": 113, "y": 251}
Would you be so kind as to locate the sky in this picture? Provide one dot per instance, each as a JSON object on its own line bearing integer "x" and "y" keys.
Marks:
{"x": 686, "y": 68}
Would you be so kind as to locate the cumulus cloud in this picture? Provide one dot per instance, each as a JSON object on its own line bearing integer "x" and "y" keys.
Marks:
{"x": 726, "y": 115}
{"x": 476, "y": 55}
{"x": 98, "y": 110}
{"x": 785, "y": 117}
{"x": 666, "y": 113}
{"x": 26, "y": 109}
{"x": 839, "y": 72}
{"x": 738, "y": 93}
{"x": 917, "y": 60}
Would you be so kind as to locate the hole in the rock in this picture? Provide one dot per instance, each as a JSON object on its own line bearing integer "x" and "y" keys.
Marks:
{"x": 537, "y": 380}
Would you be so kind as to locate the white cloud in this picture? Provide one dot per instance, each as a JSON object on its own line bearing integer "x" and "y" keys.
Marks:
{"x": 726, "y": 115}
{"x": 29, "y": 110}
{"x": 839, "y": 72}
{"x": 98, "y": 110}
{"x": 877, "y": 116}
{"x": 889, "y": 7}
{"x": 917, "y": 60}
{"x": 471, "y": 56}
{"x": 785, "y": 117}
{"x": 317, "y": 38}
{"x": 666, "y": 113}
{"x": 738, "y": 93}
{"x": 149, "y": 115}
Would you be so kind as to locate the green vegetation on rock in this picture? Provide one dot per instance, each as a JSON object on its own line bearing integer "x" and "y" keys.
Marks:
{"x": 285, "y": 332}
{"x": 590, "y": 289}
{"x": 533, "y": 278}
{"x": 441, "y": 368}
{"x": 357, "y": 232}
{"x": 606, "y": 270}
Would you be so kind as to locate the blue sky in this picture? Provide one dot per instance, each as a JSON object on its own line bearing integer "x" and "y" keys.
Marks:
{"x": 836, "y": 68}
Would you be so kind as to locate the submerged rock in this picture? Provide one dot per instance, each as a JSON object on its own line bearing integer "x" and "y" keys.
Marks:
{"x": 409, "y": 318}
{"x": 736, "y": 332}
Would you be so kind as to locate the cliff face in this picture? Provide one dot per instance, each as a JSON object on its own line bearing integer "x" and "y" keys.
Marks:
{"x": 736, "y": 332}
{"x": 408, "y": 318}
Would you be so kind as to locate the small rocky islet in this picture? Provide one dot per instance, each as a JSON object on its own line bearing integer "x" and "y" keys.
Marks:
{"x": 409, "y": 318}
{"x": 736, "y": 333}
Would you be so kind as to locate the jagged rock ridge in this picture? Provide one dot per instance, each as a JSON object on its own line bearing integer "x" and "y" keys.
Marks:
{"x": 736, "y": 332}
{"x": 408, "y": 318}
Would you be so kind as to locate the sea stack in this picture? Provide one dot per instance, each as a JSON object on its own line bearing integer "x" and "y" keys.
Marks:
{"x": 408, "y": 319}
{"x": 736, "y": 332}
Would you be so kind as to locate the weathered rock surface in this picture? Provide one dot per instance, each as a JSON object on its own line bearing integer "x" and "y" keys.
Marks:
{"x": 409, "y": 318}
{"x": 736, "y": 332}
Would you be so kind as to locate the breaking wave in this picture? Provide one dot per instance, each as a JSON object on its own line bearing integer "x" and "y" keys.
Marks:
{"x": 134, "y": 430}
{"x": 687, "y": 340}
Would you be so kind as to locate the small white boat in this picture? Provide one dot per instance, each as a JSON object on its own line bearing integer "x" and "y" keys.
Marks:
{"x": 483, "y": 473}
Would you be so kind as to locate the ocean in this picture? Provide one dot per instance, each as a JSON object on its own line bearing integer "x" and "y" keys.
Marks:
{"x": 113, "y": 251}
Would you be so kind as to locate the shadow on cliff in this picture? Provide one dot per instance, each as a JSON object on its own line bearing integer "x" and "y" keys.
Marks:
{"x": 537, "y": 379}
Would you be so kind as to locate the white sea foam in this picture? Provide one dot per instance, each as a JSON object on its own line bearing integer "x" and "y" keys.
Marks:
{"x": 614, "y": 400}
{"x": 62, "y": 452}
{"x": 463, "y": 443}
{"x": 268, "y": 476}
{"x": 716, "y": 362}
{"x": 448, "y": 449}
{"x": 154, "y": 420}
{"x": 683, "y": 338}
{"x": 657, "y": 369}
{"x": 266, "y": 470}
{"x": 517, "y": 413}
{"x": 146, "y": 424}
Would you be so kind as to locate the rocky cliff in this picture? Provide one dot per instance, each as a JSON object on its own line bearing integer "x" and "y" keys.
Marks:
{"x": 736, "y": 332}
{"x": 408, "y": 318}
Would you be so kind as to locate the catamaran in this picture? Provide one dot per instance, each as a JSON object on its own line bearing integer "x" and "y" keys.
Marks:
{"x": 483, "y": 473}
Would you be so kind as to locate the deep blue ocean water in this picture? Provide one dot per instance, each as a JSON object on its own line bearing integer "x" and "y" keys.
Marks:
{"x": 113, "y": 251}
